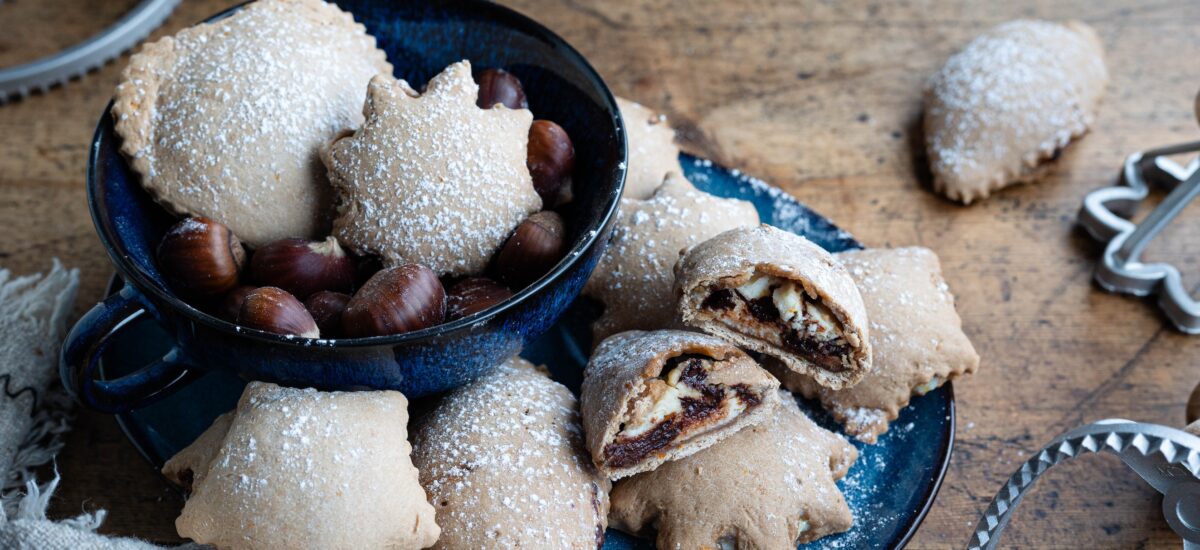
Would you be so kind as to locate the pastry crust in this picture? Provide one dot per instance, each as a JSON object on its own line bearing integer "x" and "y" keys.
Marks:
{"x": 917, "y": 340}
{"x": 504, "y": 463}
{"x": 295, "y": 468}
{"x": 1009, "y": 101}
{"x": 628, "y": 383}
{"x": 432, "y": 178}
{"x": 652, "y": 150}
{"x": 772, "y": 485}
{"x": 225, "y": 119}
{"x": 775, "y": 257}
{"x": 634, "y": 278}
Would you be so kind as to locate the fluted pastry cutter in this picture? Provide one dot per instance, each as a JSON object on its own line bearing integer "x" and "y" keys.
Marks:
{"x": 1167, "y": 458}
{"x": 1105, "y": 215}
{"x": 75, "y": 61}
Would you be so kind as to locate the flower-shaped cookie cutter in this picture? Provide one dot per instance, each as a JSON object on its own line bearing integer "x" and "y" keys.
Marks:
{"x": 1166, "y": 458}
{"x": 1105, "y": 215}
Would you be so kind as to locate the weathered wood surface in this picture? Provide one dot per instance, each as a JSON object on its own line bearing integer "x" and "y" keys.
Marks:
{"x": 823, "y": 99}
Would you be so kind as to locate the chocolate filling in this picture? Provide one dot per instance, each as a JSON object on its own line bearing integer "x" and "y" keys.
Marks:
{"x": 625, "y": 452}
{"x": 826, "y": 353}
{"x": 719, "y": 300}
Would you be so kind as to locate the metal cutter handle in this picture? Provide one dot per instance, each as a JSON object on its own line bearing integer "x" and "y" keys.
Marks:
{"x": 1167, "y": 458}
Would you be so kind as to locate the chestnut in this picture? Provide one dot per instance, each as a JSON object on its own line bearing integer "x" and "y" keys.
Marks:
{"x": 201, "y": 258}
{"x": 472, "y": 295}
{"x": 231, "y": 305}
{"x": 326, "y": 308}
{"x": 397, "y": 299}
{"x": 275, "y": 310}
{"x": 1193, "y": 405}
{"x": 550, "y": 158}
{"x": 500, "y": 86}
{"x": 303, "y": 267}
{"x": 533, "y": 248}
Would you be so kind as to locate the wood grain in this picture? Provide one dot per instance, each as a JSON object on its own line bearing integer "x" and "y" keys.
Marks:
{"x": 823, "y": 99}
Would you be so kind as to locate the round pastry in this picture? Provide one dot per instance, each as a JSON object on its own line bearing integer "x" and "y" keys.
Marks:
{"x": 431, "y": 178}
{"x": 504, "y": 464}
{"x": 634, "y": 276}
{"x": 652, "y": 150}
{"x": 225, "y": 119}
{"x": 293, "y": 468}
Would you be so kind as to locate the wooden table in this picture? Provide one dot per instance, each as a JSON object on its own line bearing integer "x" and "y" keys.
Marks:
{"x": 823, "y": 99}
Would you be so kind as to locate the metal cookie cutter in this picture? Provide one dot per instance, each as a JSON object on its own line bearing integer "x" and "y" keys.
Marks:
{"x": 39, "y": 75}
{"x": 1167, "y": 458}
{"x": 1105, "y": 214}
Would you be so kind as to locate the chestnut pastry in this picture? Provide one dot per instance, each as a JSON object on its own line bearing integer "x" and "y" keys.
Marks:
{"x": 651, "y": 397}
{"x": 779, "y": 294}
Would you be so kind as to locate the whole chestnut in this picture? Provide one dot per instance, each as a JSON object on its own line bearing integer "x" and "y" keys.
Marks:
{"x": 201, "y": 258}
{"x": 275, "y": 310}
{"x": 500, "y": 86}
{"x": 231, "y": 305}
{"x": 397, "y": 299}
{"x": 326, "y": 308}
{"x": 472, "y": 295}
{"x": 550, "y": 158}
{"x": 533, "y": 248}
{"x": 303, "y": 267}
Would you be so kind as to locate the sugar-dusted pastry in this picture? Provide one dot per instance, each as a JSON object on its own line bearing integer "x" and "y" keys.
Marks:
{"x": 505, "y": 466}
{"x": 650, "y": 397}
{"x": 293, "y": 468}
{"x": 779, "y": 294}
{"x": 917, "y": 341}
{"x": 225, "y": 119}
{"x": 634, "y": 276}
{"x": 771, "y": 485}
{"x": 652, "y": 149}
{"x": 1011, "y": 100}
{"x": 431, "y": 178}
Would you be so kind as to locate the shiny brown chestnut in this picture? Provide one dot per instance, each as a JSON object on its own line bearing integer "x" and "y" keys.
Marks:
{"x": 201, "y": 258}
{"x": 500, "y": 86}
{"x": 326, "y": 308}
{"x": 231, "y": 304}
{"x": 303, "y": 267}
{"x": 472, "y": 295}
{"x": 397, "y": 299}
{"x": 533, "y": 248}
{"x": 1193, "y": 405}
{"x": 550, "y": 158}
{"x": 275, "y": 310}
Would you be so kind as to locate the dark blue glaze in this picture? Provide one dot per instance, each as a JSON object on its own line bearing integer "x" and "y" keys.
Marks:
{"x": 420, "y": 38}
{"x": 889, "y": 489}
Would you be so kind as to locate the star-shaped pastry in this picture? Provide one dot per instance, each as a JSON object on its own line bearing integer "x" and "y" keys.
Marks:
{"x": 635, "y": 276}
{"x": 431, "y": 178}
{"x": 652, "y": 149}
{"x": 225, "y": 119}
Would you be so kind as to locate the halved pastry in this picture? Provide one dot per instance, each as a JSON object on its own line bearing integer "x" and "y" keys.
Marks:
{"x": 777, "y": 293}
{"x": 504, "y": 463}
{"x": 917, "y": 340}
{"x": 772, "y": 485}
{"x": 650, "y": 397}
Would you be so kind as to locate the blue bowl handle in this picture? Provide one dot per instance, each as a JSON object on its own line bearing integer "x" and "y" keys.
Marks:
{"x": 85, "y": 344}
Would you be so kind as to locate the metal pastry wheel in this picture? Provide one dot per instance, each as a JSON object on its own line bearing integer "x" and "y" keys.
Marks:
{"x": 1167, "y": 458}
{"x": 39, "y": 75}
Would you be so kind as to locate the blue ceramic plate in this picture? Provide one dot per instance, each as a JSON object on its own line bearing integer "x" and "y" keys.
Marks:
{"x": 889, "y": 489}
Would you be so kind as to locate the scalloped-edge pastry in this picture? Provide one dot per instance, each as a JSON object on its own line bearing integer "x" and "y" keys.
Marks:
{"x": 651, "y": 397}
{"x": 505, "y": 466}
{"x": 917, "y": 340}
{"x": 779, "y": 294}
{"x": 634, "y": 278}
{"x": 652, "y": 149}
{"x": 432, "y": 178}
{"x": 300, "y": 468}
{"x": 771, "y": 485}
{"x": 225, "y": 119}
{"x": 1010, "y": 101}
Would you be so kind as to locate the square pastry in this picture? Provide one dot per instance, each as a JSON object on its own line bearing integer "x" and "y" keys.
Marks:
{"x": 917, "y": 339}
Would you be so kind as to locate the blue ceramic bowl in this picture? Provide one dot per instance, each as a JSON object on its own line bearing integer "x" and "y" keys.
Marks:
{"x": 420, "y": 38}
